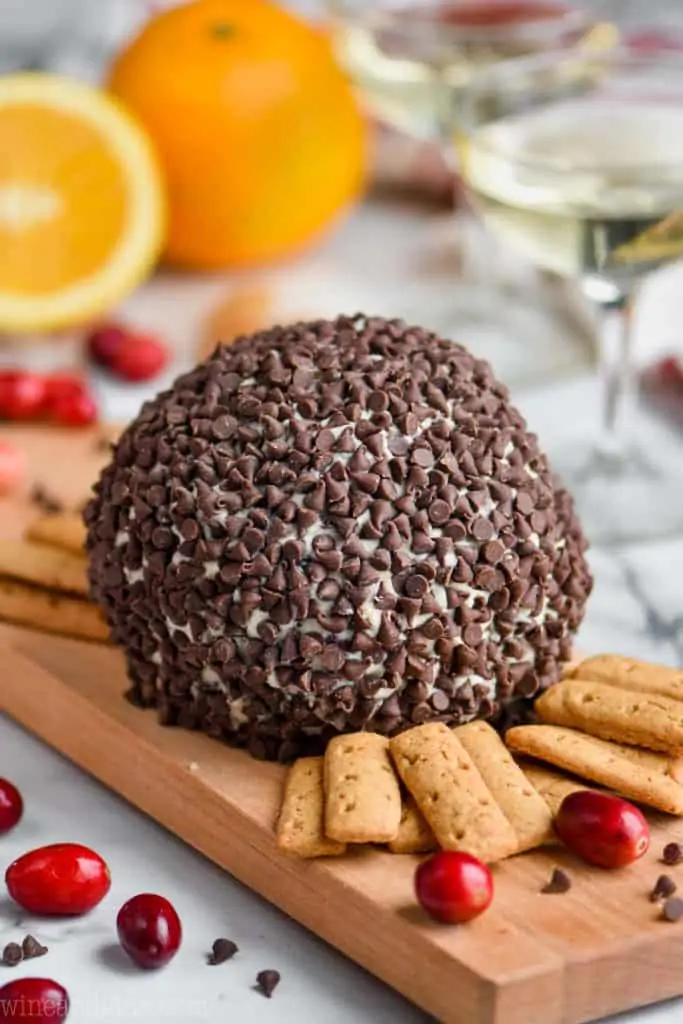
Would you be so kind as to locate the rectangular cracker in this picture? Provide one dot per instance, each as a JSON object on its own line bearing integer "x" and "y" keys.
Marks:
{"x": 639, "y": 775}
{"x": 26, "y": 605}
{"x": 44, "y": 566}
{"x": 553, "y": 786}
{"x": 414, "y": 834}
{"x": 64, "y": 530}
{"x": 362, "y": 794}
{"x": 639, "y": 719}
{"x": 524, "y": 808}
{"x": 300, "y": 825}
{"x": 450, "y": 792}
{"x": 631, "y": 674}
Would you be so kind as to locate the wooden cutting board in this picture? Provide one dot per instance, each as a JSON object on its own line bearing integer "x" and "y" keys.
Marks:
{"x": 532, "y": 959}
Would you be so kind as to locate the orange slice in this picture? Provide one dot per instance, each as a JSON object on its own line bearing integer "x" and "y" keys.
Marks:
{"x": 82, "y": 211}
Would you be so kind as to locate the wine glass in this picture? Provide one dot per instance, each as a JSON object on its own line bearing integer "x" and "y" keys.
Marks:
{"x": 410, "y": 58}
{"x": 577, "y": 159}
{"x": 411, "y": 61}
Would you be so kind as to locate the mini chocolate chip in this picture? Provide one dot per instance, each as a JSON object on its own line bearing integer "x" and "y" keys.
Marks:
{"x": 12, "y": 954}
{"x": 524, "y": 503}
{"x": 672, "y": 910}
{"x": 493, "y": 551}
{"x": 416, "y": 586}
{"x": 422, "y": 457}
{"x": 31, "y": 948}
{"x": 221, "y": 951}
{"x": 663, "y": 888}
{"x": 420, "y": 714}
{"x": 559, "y": 883}
{"x": 439, "y": 512}
{"x": 672, "y": 854}
{"x": 332, "y": 658}
{"x": 368, "y": 482}
{"x": 440, "y": 701}
{"x": 481, "y": 529}
{"x": 378, "y": 401}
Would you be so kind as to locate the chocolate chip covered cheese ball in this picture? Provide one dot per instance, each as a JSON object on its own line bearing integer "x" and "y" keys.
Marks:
{"x": 330, "y": 527}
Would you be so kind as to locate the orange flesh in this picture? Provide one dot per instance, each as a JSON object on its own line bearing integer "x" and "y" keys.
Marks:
{"x": 55, "y": 172}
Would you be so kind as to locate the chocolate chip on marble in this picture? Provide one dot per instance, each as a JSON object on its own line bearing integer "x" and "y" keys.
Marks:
{"x": 31, "y": 948}
{"x": 222, "y": 951}
{"x": 12, "y": 954}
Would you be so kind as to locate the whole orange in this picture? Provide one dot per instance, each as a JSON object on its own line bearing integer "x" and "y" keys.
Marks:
{"x": 257, "y": 129}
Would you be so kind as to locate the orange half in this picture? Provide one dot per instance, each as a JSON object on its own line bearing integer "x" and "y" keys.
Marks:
{"x": 82, "y": 213}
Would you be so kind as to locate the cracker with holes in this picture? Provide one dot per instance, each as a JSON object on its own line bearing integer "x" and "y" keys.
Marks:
{"x": 553, "y": 786}
{"x": 612, "y": 713}
{"x": 631, "y": 674}
{"x": 300, "y": 827}
{"x": 525, "y": 809}
{"x": 362, "y": 793}
{"x": 641, "y": 775}
{"x": 451, "y": 794}
{"x": 414, "y": 834}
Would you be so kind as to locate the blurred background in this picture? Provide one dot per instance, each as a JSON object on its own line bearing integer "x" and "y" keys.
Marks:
{"x": 202, "y": 170}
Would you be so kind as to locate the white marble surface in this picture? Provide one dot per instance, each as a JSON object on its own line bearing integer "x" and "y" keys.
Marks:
{"x": 636, "y": 608}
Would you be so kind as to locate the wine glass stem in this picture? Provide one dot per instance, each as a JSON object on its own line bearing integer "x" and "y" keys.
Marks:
{"x": 618, "y": 376}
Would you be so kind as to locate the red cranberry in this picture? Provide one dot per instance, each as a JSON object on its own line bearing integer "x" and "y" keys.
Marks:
{"x": 11, "y": 806}
{"x": 63, "y": 879}
{"x": 33, "y": 1001}
{"x": 140, "y": 357}
{"x": 149, "y": 930}
{"x": 76, "y": 410}
{"x": 104, "y": 342}
{"x": 602, "y": 829}
{"x": 22, "y": 395}
{"x": 453, "y": 887}
{"x": 62, "y": 385}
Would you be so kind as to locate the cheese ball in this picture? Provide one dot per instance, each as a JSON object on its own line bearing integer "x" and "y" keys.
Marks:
{"x": 331, "y": 527}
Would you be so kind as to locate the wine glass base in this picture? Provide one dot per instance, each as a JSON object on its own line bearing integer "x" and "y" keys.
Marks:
{"x": 624, "y": 496}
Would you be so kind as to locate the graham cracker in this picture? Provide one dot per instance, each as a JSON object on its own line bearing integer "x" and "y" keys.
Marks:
{"x": 640, "y": 775}
{"x": 638, "y": 719}
{"x": 631, "y": 674}
{"x": 362, "y": 793}
{"x": 414, "y": 834}
{"x": 300, "y": 825}
{"x": 44, "y": 566}
{"x": 451, "y": 794}
{"x": 553, "y": 786}
{"x": 27, "y": 605}
{"x": 524, "y": 808}
{"x": 64, "y": 530}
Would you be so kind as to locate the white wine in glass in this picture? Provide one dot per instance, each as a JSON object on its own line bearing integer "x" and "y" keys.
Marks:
{"x": 411, "y": 58}
{"x": 578, "y": 161}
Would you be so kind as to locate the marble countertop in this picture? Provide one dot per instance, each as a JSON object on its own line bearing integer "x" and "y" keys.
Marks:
{"x": 637, "y": 608}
